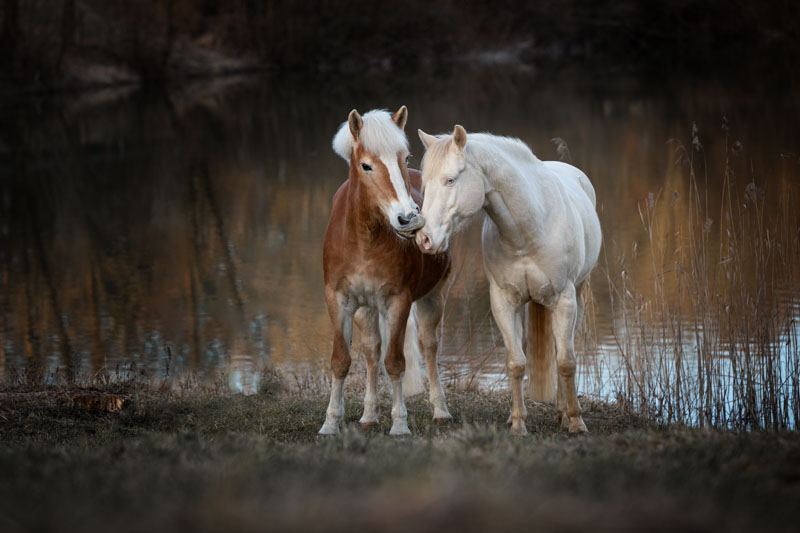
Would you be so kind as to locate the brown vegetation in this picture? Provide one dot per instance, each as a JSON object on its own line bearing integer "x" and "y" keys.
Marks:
{"x": 707, "y": 322}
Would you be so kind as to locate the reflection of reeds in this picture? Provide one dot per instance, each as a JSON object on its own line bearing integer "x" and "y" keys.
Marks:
{"x": 713, "y": 340}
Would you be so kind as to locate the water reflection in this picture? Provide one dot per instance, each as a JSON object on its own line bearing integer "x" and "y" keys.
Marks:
{"x": 193, "y": 218}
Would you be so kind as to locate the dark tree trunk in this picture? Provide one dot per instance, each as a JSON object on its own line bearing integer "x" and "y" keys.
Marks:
{"x": 170, "y": 37}
{"x": 67, "y": 31}
{"x": 9, "y": 41}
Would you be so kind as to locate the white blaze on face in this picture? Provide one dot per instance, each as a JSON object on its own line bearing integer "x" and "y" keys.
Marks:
{"x": 381, "y": 139}
{"x": 404, "y": 205}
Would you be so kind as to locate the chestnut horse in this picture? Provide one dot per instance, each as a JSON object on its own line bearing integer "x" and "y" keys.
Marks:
{"x": 374, "y": 272}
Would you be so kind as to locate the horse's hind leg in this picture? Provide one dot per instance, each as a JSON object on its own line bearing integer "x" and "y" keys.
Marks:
{"x": 564, "y": 322}
{"x": 342, "y": 318}
{"x": 561, "y": 403}
{"x": 429, "y": 315}
{"x": 392, "y": 325}
{"x": 367, "y": 321}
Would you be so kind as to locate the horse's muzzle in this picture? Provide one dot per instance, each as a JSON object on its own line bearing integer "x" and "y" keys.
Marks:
{"x": 409, "y": 224}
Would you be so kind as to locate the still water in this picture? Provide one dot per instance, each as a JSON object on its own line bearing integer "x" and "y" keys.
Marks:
{"x": 182, "y": 228}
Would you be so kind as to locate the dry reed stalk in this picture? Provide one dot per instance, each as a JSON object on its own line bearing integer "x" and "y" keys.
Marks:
{"x": 713, "y": 340}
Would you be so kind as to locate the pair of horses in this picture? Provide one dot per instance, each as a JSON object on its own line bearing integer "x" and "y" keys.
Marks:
{"x": 386, "y": 258}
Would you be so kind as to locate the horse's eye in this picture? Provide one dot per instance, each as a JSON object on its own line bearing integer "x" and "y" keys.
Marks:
{"x": 450, "y": 180}
{"x": 366, "y": 167}
{"x": 408, "y": 158}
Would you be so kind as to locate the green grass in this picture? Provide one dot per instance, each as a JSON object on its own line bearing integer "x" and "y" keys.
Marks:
{"x": 209, "y": 461}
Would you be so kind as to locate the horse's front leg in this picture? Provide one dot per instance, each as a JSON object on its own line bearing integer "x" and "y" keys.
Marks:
{"x": 392, "y": 323}
{"x": 429, "y": 314}
{"x": 367, "y": 321}
{"x": 341, "y": 312}
{"x": 508, "y": 316}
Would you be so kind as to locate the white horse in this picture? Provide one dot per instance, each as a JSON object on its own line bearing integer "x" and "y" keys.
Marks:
{"x": 541, "y": 238}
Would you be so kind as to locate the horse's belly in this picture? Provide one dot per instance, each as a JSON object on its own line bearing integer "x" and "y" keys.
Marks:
{"x": 366, "y": 292}
{"x": 540, "y": 277}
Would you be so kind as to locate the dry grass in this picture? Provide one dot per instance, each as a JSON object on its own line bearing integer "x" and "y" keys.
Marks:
{"x": 708, "y": 335}
{"x": 203, "y": 459}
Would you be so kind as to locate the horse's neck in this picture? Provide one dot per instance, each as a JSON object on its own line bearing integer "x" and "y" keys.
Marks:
{"x": 514, "y": 185}
{"x": 363, "y": 219}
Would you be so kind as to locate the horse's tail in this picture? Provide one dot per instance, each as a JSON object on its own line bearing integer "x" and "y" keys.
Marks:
{"x": 541, "y": 354}
{"x": 412, "y": 382}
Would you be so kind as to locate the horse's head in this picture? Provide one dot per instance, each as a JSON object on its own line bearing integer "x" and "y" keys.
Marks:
{"x": 454, "y": 191}
{"x": 377, "y": 150}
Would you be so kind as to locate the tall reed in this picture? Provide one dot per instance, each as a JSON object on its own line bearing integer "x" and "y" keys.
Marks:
{"x": 709, "y": 334}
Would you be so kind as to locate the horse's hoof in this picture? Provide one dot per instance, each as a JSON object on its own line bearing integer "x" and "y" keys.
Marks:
{"x": 518, "y": 428}
{"x": 368, "y": 424}
{"x": 510, "y": 420}
{"x": 330, "y": 427}
{"x": 442, "y": 416}
{"x": 576, "y": 425}
{"x": 399, "y": 428}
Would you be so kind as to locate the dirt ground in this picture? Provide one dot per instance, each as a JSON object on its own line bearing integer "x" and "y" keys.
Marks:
{"x": 132, "y": 457}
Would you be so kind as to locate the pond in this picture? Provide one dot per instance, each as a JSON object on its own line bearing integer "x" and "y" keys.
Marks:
{"x": 178, "y": 231}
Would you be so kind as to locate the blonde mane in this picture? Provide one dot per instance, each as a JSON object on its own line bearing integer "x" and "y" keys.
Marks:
{"x": 379, "y": 135}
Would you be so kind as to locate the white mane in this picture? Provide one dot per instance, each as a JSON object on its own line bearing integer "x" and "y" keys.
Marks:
{"x": 511, "y": 145}
{"x": 495, "y": 150}
{"x": 379, "y": 135}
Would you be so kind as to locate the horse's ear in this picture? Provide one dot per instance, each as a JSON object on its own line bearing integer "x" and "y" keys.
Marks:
{"x": 400, "y": 117}
{"x": 427, "y": 140}
{"x": 459, "y": 137}
{"x": 355, "y": 122}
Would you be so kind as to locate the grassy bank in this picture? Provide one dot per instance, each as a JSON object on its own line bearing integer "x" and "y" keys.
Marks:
{"x": 205, "y": 460}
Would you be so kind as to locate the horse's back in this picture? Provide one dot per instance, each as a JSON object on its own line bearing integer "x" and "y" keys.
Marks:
{"x": 334, "y": 233}
{"x": 571, "y": 174}
{"x": 338, "y": 208}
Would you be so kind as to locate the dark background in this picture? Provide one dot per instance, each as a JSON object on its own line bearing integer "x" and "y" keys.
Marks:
{"x": 62, "y": 44}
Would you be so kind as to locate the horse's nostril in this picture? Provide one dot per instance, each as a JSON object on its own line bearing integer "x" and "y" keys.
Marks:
{"x": 404, "y": 220}
{"x": 426, "y": 242}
